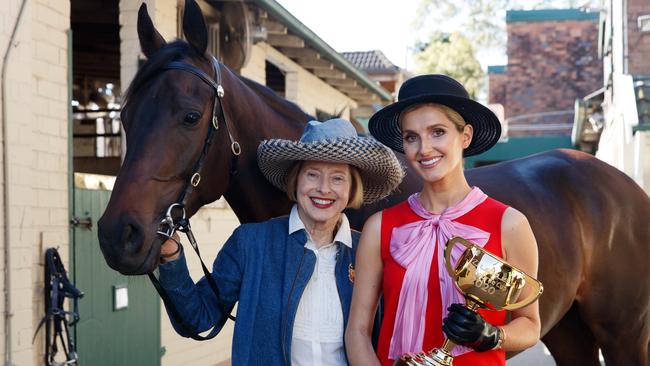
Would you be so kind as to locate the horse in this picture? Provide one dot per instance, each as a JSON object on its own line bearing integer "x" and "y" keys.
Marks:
{"x": 588, "y": 217}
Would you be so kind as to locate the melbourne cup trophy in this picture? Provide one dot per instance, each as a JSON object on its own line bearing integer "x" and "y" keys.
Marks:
{"x": 486, "y": 281}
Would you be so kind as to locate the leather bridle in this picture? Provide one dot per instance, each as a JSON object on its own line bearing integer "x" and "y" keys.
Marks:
{"x": 175, "y": 218}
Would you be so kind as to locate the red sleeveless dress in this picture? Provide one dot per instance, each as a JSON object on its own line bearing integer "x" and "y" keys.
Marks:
{"x": 486, "y": 216}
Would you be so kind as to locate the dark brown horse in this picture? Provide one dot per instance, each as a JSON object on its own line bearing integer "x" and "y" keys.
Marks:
{"x": 590, "y": 220}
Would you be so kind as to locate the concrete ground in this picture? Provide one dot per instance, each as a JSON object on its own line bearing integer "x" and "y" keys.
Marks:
{"x": 536, "y": 356}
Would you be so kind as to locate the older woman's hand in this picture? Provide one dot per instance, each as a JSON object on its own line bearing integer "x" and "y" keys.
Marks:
{"x": 170, "y": 250}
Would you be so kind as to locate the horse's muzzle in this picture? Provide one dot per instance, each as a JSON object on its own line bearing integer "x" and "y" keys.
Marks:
{"x": 126, "y": 247}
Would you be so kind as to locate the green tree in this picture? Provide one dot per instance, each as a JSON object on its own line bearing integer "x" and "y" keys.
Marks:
{"x": 481, "y": 21}
{"x": 453, "y": 55}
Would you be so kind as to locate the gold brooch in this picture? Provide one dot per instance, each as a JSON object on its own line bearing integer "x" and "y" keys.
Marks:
{"x": 351, "y": 272}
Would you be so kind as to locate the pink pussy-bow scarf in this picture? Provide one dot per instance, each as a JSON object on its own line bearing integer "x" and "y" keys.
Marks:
{"x": 412, "y": 247}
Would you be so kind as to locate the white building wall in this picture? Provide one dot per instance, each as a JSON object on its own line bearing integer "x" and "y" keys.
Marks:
{"x": 302, "y": 87}
{"x": 37, "y": 138}
{"x": 619, "y": 145}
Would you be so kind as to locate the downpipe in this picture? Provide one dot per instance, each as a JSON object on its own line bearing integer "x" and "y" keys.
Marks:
{"x": 5, "y": 194}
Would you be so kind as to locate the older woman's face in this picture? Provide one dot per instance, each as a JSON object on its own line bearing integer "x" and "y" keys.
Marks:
{"x": 322, "y": 191}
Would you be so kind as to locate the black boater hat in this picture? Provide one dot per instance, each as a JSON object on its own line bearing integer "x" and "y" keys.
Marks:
{"x": 440, "y": 89}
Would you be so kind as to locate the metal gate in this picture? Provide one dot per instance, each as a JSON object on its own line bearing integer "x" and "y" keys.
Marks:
{"x": 120, "y": 315}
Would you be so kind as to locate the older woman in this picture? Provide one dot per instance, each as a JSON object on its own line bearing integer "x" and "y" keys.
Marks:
{"x": 291, "y": 276}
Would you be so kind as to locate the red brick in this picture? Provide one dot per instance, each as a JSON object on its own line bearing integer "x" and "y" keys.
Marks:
{"x": 551, "y": 63}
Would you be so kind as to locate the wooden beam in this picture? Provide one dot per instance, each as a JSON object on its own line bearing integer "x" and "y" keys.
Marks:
{"x": 285, "y": 40}
{"x": 341, "y": 82}
{"x": 365, "y": 98}
{"x": 313, "y": 64}
{"x": 300, "y": 53}
{"x": 357, "y": 93}
{"x": 351, "y": 89}
{"x": 273, "y": 27}
{"x": 325, "y": 73}
{"x": 209, "y": 11}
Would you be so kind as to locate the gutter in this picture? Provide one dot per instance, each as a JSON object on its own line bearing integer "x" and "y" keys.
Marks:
{"x": 5, "y": 193}
{"x": 296, "y": 27}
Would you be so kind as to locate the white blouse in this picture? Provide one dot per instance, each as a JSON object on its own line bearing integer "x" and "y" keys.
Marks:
{"x": 318, "y": 327}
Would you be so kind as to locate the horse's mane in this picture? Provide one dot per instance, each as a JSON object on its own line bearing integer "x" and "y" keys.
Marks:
{"x": 170, "y": 52}
{"x": 286, "y": 108}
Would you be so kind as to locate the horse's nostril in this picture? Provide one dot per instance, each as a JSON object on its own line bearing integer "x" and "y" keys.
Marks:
{"x": 132, "y": 237}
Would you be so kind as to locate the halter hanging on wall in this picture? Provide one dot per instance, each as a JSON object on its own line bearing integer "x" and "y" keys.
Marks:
{"x": 57, "y": 320}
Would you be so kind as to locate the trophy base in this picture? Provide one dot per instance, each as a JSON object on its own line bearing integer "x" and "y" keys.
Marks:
{"x": 436, "y": 357}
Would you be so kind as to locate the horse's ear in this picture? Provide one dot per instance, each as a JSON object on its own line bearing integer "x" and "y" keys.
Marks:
{"x": 150, "y": 40}
{"x": 194, "y": 27}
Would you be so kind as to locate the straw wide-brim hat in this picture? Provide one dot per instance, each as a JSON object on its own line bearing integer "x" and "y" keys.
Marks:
{"x": 333, "y": 141}
{"x": 440, "y": 89}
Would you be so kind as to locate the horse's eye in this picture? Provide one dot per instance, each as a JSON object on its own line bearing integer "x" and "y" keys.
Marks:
{"x": 192, "y": 118}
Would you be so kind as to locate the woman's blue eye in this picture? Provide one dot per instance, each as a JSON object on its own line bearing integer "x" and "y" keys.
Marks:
{"x": 410, "y": 138}
{"x": 438, "y": 132}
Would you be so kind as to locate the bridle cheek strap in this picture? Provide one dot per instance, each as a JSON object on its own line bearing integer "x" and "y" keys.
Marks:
{"x": 169, "y": 224}
{"x": 217, "y": 115}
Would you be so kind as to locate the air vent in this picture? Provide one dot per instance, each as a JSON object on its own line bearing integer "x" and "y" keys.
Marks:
{"x": 643, "y": 22}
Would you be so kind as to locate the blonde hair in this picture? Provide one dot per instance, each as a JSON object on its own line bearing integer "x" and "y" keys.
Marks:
{"x": 450, "y": 113}
{"x": 356, "y": 186}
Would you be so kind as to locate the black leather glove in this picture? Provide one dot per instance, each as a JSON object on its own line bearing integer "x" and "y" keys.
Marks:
{"x": 468, "y": 328}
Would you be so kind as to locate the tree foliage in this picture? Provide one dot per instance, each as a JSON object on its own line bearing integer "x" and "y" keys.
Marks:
{"x": 453, "y": 55}
{"x": 458, "y": 32}
{"x": 481, "y": 21}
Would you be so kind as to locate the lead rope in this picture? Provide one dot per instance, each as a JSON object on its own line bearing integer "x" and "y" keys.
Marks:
{"x": 168, "y": 225}
{"x": 183, "y": 225}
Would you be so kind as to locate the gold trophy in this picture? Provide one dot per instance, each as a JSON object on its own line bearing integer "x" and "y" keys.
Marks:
{"x": 487, "y": 282}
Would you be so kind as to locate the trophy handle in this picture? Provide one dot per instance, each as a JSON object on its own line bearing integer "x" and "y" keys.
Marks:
{"x": 538, "y": 288}
{"x": 448, "y": 248}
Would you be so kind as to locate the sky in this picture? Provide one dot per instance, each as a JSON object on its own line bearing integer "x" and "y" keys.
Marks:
{"x": 361, "y": 25}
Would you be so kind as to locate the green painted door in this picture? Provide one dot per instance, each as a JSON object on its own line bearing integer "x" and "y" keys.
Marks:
{"x": 107, "y": 336}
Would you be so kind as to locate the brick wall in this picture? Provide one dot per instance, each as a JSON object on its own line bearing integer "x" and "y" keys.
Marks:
{"x": 638, "y": 43}
{"x": 550, "y": 64}
{"x": 497, "y": 83}
{"x": 37, "y": 137}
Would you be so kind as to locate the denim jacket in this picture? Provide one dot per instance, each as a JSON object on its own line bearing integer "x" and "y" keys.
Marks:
{"x": 265, "y": 270}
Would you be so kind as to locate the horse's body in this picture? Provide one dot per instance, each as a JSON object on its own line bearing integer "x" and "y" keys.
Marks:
{"x": 589, "y": 218}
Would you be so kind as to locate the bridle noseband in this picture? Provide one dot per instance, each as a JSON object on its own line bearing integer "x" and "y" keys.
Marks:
{"x": 175, "y": 217}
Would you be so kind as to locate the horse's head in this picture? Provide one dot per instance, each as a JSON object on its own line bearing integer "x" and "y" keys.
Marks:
{"x": 167, "y": 116}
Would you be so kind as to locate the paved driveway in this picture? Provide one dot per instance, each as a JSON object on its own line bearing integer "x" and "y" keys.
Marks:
{"x": 536, "y": 356}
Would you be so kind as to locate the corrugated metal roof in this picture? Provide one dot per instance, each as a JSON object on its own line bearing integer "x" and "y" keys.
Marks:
{"x": 370, "y": 61}
{"x": 312, "y": 40}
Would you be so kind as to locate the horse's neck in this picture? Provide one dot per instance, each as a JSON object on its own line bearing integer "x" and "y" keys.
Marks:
{"x": 250, "y": 195}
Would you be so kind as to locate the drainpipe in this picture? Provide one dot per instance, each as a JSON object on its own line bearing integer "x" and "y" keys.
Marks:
{"x": 626, "y": 52}
{"x": 5, "y": 193}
